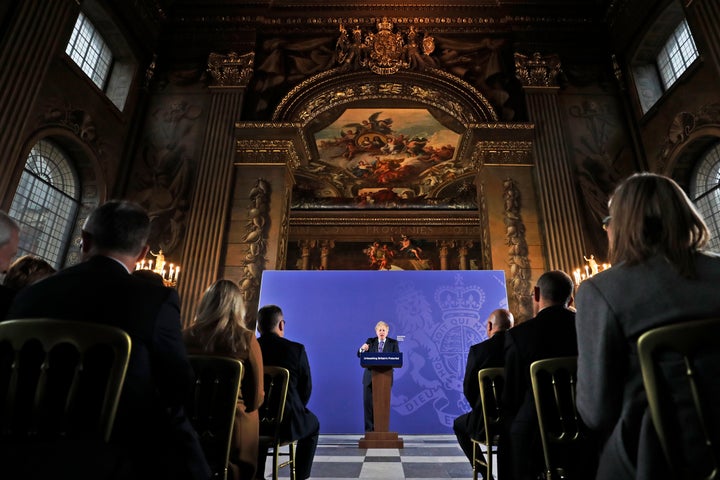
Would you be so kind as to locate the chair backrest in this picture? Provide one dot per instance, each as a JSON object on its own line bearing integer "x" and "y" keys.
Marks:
{"x": 553, "y": 384}
{"x": 212, "y": 405}
{"x": 491, "y": 381}
{"x": 680, "y": 366}
{"x": 272, "y": 411}
{"x": 60, "y": 378}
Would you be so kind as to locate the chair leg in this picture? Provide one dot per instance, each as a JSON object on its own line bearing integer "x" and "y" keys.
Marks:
{"x": 291, "y": 453}
{"x": 489, "y": 475}
{"x": 474, "y": 461}
{"x": 276, "y": 455}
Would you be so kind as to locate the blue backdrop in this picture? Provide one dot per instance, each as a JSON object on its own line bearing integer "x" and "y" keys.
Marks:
{"x": 436, "y": 316}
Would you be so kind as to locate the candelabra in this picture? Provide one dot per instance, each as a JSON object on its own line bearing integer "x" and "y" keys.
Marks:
{"x": 168, "y": 271}
{"x": 587, "y": 271}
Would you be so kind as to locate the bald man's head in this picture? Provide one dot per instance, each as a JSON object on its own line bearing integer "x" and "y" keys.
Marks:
{"x": 499, "y": 320}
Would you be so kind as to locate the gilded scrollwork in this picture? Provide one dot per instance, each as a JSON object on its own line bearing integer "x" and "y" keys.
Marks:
{"x": 268, "y": 151}
{"x": 502, "y": 152}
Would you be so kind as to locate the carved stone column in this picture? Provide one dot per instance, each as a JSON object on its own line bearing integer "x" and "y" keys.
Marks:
{"x": 463, "y": 250}
{"x": 325, "y": 247}
{"x": 706, "y": 14}
{"x": 30, "y": 41}
{"x": 558, "y": 207}
{"x": 444, "y": 252}
{"x": 306, "y": 245}
{"x": 208, "y": 214}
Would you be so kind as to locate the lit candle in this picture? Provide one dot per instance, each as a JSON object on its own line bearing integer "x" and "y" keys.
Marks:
{"x": 137, "y": 266}
{"x": 150, "y": 264}
{"x": 587, "y": 272}
{"x": 177, "y": 270}
{"x": 142, "y": 264}
{"x": 576, "y": 274}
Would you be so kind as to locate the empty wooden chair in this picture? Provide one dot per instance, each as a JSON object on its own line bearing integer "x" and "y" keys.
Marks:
{"x": 566, "y": 448}
{"x": 60, "y": 385}
{"x": 491, "y": 384}
{"x": 272, "y": 412}
{"x": 212, "y": 405}
{"x": 680, "y": 366}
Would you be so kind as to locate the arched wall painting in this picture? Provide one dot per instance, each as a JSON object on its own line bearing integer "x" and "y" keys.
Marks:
{"x": 370, "y": 157}
{"x": 436, "y": 315}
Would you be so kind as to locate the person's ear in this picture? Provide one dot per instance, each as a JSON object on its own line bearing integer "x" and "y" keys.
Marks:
{"x": 536, "y": 294}
{"x": 571, "y": 302}
{"x": 85, "y": 241}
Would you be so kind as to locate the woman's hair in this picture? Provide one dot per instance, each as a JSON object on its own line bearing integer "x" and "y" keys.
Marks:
{"x": 27, "y": 270}
{"x": 220, "y": 320}
{"x": 651, "y": 215}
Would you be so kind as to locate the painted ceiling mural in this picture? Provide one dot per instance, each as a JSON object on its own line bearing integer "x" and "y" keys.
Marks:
{"x": 380, "y": 158}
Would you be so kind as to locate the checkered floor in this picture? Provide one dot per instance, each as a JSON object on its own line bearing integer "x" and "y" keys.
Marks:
{"x": 423, "y": 457}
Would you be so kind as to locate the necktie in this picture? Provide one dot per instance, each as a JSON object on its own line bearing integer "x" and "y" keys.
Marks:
{"x": 382, "y": 344}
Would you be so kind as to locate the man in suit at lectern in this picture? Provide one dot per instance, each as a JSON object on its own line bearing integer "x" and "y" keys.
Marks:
{"x": 381, "y": 343}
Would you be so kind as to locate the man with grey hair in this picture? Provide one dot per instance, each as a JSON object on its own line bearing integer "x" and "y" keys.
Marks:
{"x": 486, "y": 354}
{"x": 9, "y": 239}
{"x": 151, "y": 425}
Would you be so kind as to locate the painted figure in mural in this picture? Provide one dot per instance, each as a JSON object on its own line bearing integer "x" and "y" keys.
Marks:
{"x": 409, "y": 249}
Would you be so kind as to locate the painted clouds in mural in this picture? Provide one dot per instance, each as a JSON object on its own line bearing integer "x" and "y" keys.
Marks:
{"x": 387, "y": 149}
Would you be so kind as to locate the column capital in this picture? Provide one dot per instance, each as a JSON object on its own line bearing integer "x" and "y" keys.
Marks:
{"x": 231, "y": 70}
{"x": 537, "y": 70}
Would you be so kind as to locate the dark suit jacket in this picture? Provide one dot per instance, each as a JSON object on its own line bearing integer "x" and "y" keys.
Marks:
{"x": 487, "y": 354}
{"x": 280, "y": 352}
{"x": 550, "y": 334}
{"x": 6, "y": 298}
{"x": 159, "y": 375}
{"x": 391, "y": 346}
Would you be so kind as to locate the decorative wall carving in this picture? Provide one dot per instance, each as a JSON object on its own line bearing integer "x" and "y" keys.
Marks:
{"x": 537, "y": 70}
{"x": 231, "y": 70}
{"x": 683, "y": 126}
{"x": 268, "y": 151}
{"x": 502, "y": 152}
{"x": 256, "y": 227}
{"x": 77, "y": 120}
{"x": 384, "y": 52}
{"x": 520, "y": 274}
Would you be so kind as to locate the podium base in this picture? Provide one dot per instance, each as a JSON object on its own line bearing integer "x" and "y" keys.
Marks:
{"x": 380, "y": 440}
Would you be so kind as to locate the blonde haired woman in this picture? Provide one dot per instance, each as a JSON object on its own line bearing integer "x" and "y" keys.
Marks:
{"x": 219, "y": 329}
{"x": 660, "y": 275}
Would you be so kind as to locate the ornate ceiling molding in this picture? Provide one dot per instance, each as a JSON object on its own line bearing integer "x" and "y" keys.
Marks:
{"x": 433, "y": 88}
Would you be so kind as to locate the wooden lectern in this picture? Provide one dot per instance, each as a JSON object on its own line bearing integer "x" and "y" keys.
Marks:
{"x": 381, "y": 364}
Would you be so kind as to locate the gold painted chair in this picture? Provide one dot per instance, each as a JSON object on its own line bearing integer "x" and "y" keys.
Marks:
{"x": 212, "y": 405}
{"x": 680, "y": 365}
{"x": 272, "y": 413}
{"x": 562, "y": 433}
{"x": 60, "y": 386}
{"x": 491, "y": 384}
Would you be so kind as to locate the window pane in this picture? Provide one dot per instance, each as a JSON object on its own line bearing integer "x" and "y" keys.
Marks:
{"x": 46, "y": 203}
{"x": 676, "y": 55}
{"x": 89, "y": 51}
{"x": 705, "y": 192}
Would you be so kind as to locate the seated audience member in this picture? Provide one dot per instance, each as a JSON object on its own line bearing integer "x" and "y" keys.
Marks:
{"x": 487, "y": 354}
{"x": 551, "y": 333}
{"x": 660, "y": 275}
{"x": 219, "y": 329}
{"x": 150, "y": 427}
{"x": 9, "y": 239}
{"x": 27, "y": 270}
{"x": 299, "y": 423}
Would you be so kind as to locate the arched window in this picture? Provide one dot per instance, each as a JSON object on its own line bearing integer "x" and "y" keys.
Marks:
{"x": 46, "y": 203}
{"x": 705, "y": 192}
